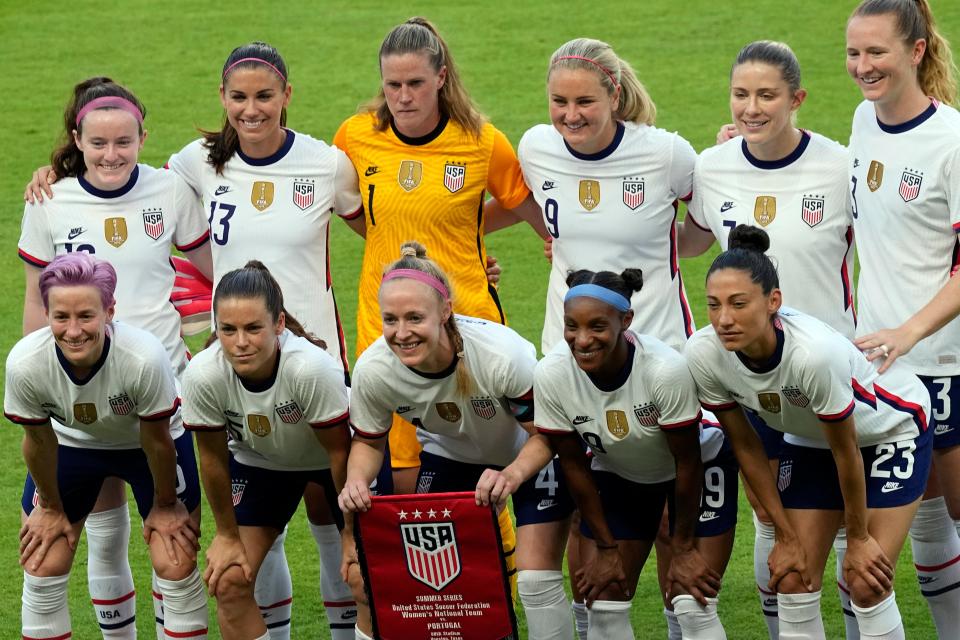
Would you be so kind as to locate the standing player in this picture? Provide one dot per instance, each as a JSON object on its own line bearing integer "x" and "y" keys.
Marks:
{"x": 904, "y": 162}
{"x": 793, "y": 184}
{"x": 95, "y": 399}
{"x": 856, "y": 448}
{"x": 131, "y": 215}
{"x": 467, "y": 384}
{"x": 281, "y": 400}
{"x": 631, "y": 400}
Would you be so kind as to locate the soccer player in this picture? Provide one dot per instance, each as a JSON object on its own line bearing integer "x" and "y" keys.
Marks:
{"x": 131, "y": 215}
{"x": 904, "y": 161}
{"x": 467, "y": 384}
{"x": 856, "y": 448}
{"x": 269, "y": 406}
{"x": 793, "y": 184}
{"x": 95, "y": 398}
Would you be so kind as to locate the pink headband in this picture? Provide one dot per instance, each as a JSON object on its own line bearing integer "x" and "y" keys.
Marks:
{"x": 260, "y": 60}
{"x": 420, "y": 276}
{"x": 594, "y": 63}
{"x": 112, "y": 102}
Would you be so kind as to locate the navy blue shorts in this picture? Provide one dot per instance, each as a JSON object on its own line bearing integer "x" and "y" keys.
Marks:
{"x": 895, "y": 472}
{"x": 269, "y": 498}
{"x": 633, "y": 510}
{"x": 542, "y": 498}
{"x": 81, "y": 472}
{"x": 771, "y": 438}
{"x": 944, "y": 393}
{"x": 718, "y": 499}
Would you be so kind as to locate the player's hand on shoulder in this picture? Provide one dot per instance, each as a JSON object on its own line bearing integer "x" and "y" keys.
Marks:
{"x": 39, "y": 185}
{"x": 888, "y": 344}
{"x": 727, "y": 132}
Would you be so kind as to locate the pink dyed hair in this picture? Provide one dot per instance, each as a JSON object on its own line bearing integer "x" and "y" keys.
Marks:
{"x": 79, "y": 269}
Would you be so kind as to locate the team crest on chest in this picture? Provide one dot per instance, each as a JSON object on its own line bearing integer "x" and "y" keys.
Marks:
{"x": 811, "y": 210}
{"x": 910, "y": 185}
{"x": 453, "y": 176}
{"x": 153, "y": 223}
{"x": 633, "y": 193}
{"x": 589, "y": 194}
{"x": 85, "y": 412}
{"x": 431, "y": 552}
{"x": 303, "y": 191}
{"x": 449, "y": 411}
{"x": 765, "y": 210}
{"x": 769, "y": 401}
{"x": 648, "y": 415}
{"x": 259, "y": 425}
{"x": 875, "y": 175}
{"x": 795, "y": 397}
{"x": 261, "y": 196}
{"x": 410, "y": 174}
{"x": 484, "y": 407}
{"x": 115, "y": 231}
{"x": 121, "y": 405}
{"x": 617, "y": 423}
{"x": 290, "y": 412}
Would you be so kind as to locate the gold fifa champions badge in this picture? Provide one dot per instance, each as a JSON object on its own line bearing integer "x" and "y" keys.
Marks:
{"x": 410, "y": 174}
{"x": 261, "y": 196}
{"x": 765, "y": 210}
{"x": 875, "y": 175}
{"x": 85, "y": 412}
{"x": 115, "y": 231}
{"x": 769, "y": 401}
{"x": 589, "y": 194}
{"x": 259, "y": 425}
{"x": 617, "y": 423}
{"x": 449, "y": 411}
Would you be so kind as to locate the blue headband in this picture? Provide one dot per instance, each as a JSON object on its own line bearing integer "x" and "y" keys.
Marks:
{"x": 603, "y": 294}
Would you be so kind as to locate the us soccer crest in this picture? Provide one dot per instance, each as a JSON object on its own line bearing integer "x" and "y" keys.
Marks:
{"x": 910, "y": 185}
{"x": 765, "y": 210}
{"x": 153, "y": 223}
{"x": 410, "y": 174}
{"x": 769, "y": 401}
{"x": 648, "y": 415}
{"x": 261, "y": 196}
{"x": 115, "y": 231}
{"x": 589, "y": 194}
{"x": 303, "y": 191}
{"x": 785, "y": 475}
{"x": 258, "y": 425}
{"x": 449, "y": 411}
{"x": 290, "y": 412}
{"x": 236, "y": 491}
{"x": 431, "y": 551}
{"x": 795, "y": 397}
{"x": 811, "y": 210}
{"x": 121, "y": 405}
{"x": 453, "y": 176}
{"x": 484, "y": 407}
{"x": 617, "y": 423}
{"x": 85, "y": 412}
{"x": 633, "y": 194}
{"x": 875, "y": 175}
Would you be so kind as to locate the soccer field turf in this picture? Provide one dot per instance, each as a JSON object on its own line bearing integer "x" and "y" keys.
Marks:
{"x": 170, "y": 54}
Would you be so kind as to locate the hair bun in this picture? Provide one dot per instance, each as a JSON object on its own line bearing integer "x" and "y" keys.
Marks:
{"x": 748, "y": 238}
{"x": 413, "y": 249}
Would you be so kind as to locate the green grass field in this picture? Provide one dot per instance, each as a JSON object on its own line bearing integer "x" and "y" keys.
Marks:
{"x": 171, "y": 53}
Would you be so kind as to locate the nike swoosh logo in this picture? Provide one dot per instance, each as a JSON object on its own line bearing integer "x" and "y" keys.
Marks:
{"x": 73, "y": 234}
{"x": 889, "y": 489}
{"x": 221, "y": 190}
{"x": 541, "y": 507}
{"x": 725, "y": 207}
{"x": 371, "y": 170}
{"x": 708, "y": 519}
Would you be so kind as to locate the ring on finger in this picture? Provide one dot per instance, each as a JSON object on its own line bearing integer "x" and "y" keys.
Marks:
{"x": 885, "y": 350}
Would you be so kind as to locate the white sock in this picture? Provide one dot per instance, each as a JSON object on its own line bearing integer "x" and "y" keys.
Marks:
{"x": 849, "y": 620}
{"x": 545, "y": 603}
{"x": 763, "y": 541}
{"x": 696, "y": 621}
{"x": 44, "y": 613}
{"x": 273, "y": 590}
{"x": 580, "y": 619}
{"x": 609, "y": 620}
{"x": 157, "y": 598}
{"x": 799, "y": 615}
{"x": 936, "y": 556}
{"x": 108, "y": 572}
{"x": 881, "y": 621}
{"x": 360, "y": 635}
{"x": 185, "y": 606}
{"x": 265, "y": 636}
{"x": 673, "y": 626}
{"x": 337, "y": 598}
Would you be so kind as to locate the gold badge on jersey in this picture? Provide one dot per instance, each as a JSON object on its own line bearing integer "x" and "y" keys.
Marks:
{"x": 115, "y": 231}
{"x": 410, "y": 174}
{"x": 449, "y": 411}
{"x": 261, "y": 196}
{"x": 875, "y": 175}
{"x": 764, "y": 210}
{"x": 589, "y": 194}
{"x": 617, "y": 423}
{"x": 85, "y": 412}
{"x": 769, "y": 401}
{"x": 258, "y": 425}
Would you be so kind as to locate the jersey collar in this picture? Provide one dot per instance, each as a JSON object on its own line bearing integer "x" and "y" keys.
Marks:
{"x": 621, "y": 378}
{"x": 112, "y": 193}
{"x": 787, "y": 160}
{"x": 259, "y": 386}
{"x": 68, "y": 368}
{"x": 774, "y": 360}
{"x": 273, "y": 157}
{"x": 440, "y": 374}
{"x": 603, "y": 153}
{"x": 421, "y": 140}
{"x": 912, "y": 123}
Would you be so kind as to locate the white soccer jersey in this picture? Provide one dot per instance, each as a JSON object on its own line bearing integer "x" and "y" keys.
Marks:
{"x": 270, "y": 425}
{"x": 613, "y": 210}
{"x": 277, "y": 210}
{"x": 132, "y": 381}
{"x": 816, "y": 375}
{"x": 802, "y": 202}
{"x": 905, "y": 182}
{"x": 133, "y": 228}
{"x": 624, "y": 426}
{"x": 479, "y": 429}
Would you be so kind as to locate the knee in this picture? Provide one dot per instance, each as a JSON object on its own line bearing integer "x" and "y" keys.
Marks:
{"x": 862, "y": 594}
{"x": 166, "y": 570}
{"x": 793, "y": 583}
{"x": 233, "y": 589}
{"x": 540, "y": 588}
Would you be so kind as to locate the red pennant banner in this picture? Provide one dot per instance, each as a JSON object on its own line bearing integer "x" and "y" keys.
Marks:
{"x": 434, "y": 570}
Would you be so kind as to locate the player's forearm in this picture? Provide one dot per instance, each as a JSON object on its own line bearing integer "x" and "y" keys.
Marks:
{"x": 336, "y": 441}
{"x": 40, "y": 455}
{"x": 849, "y": 465}
{"x": 583, "y": 490}
{"x": 534, "y": 455}
{"x": 366, "y": 458}
{"x": 162, "y": 459}
{"x": 217, "y": 486}
{"x": 687, "y": 501}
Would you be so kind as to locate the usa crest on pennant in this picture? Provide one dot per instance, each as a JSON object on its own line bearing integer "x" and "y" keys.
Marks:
{"x": 431, "y": 552}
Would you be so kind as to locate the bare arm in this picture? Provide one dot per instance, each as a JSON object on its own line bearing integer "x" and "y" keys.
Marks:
{"x": 33, "y": 314}
{"x": 168, "y": 517}
{"x": 496, "y": 217}
{"x": 202, "y": 259}
{"x": 494, "y": 487}
{"x": 357, "y": 224}
{"x": 336, "y": 440}
{"x": 692, "y": 241}
{"x": 366, "y": 458}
